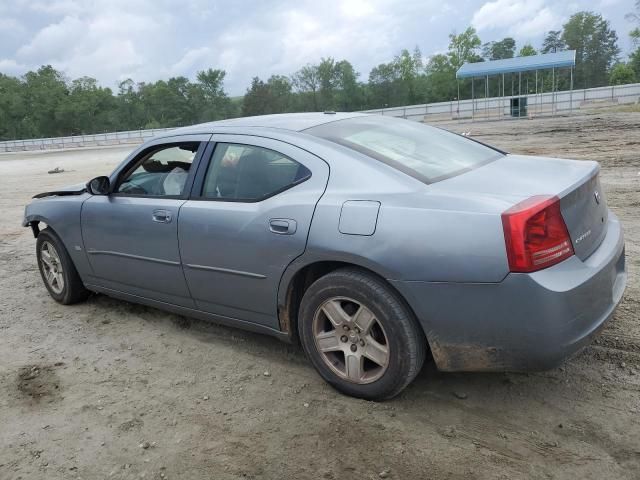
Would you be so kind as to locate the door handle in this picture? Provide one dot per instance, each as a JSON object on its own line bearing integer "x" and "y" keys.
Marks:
{"x": 283, "y": 226}
{"x": 161, "y": 216}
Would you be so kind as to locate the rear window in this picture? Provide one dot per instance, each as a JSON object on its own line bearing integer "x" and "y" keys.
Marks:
{"x": 426, "y": 153}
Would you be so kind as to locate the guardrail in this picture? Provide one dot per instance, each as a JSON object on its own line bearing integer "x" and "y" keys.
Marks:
{"x": 492, "y": 108}
{"x": 74, "y": 141}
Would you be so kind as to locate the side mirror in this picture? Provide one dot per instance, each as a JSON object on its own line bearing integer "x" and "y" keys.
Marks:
{"x": 99, "y": 186}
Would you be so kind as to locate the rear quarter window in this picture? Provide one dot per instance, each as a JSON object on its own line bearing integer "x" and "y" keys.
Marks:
{"x": 426, "y": 153}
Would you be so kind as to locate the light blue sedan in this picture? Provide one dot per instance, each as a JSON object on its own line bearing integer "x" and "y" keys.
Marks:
{"x": 374, "y": 242}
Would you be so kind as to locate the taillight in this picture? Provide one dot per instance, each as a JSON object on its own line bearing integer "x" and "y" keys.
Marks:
{"x": 535, "y": 234}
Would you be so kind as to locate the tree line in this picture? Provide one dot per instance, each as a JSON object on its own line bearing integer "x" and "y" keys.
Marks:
{"x": 46, "y": 104}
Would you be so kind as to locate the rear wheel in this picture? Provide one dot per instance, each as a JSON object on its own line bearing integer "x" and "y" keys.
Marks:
{"x": 359, "y": 334}
{"x": 57, "y": 270}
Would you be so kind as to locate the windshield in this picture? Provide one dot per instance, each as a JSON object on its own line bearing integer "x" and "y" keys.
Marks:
{"x": 427, "y": 153}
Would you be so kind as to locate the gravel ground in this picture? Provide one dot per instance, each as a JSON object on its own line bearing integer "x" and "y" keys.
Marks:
{"x": 111, "y": 389}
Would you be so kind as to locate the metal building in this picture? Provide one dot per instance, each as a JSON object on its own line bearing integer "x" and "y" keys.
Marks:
{"x": 513, "y": 101}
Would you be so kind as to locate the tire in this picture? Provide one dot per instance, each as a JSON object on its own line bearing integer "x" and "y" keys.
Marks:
{"x": 373, "y": 323}
{"x": 67, "y": 288}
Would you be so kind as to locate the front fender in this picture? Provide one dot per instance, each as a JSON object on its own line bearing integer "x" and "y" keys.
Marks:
{"x": 62, "y": 215}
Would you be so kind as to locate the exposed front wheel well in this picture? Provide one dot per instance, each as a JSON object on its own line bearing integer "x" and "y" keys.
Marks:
{"x": 35, "y": 227}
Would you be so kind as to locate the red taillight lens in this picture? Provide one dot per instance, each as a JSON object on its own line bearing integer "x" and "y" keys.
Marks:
{"x": 535, "y": 234}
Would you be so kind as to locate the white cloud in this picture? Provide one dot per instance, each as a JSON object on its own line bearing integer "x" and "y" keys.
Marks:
{"x": 152, "y": 39}
{"x": 53, "y": 41}
{"x": 608, "y": 3}
{"x": 107, "y": 44}
{"x": 524, "y": 18}
{"x": 190, "y": 61}
{"x": 10, "y": 26}
{"x": 540, "y": 23}
{"x": 11, "y": 67}
{"x": 356, "y": 8}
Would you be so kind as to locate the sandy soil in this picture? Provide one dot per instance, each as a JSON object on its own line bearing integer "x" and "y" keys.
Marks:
{"x": 111, "y": 389}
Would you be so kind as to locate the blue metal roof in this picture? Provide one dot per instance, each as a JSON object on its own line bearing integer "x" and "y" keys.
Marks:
{"x": 566, "y": 58}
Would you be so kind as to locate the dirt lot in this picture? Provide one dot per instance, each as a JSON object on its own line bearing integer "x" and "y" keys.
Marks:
{"x": 110, "y": 389}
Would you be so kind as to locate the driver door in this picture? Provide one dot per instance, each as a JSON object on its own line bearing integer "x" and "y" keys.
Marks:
{"x": 131, "y": 235}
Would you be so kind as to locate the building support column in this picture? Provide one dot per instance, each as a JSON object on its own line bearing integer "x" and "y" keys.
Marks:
{"x": 458, "y": 82}
{"x": 486, "y": 97}
{"x": 473, "y": 102}
{"x": 519, "y": 93}
{"x": 553, "y": 91}
{"x": 537, "y": 99}
{"x": 571, "y": 93}
{"x": 502, "y": 100}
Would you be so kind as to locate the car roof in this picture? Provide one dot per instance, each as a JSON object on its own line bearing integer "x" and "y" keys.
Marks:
{"x": 285, "y": 121}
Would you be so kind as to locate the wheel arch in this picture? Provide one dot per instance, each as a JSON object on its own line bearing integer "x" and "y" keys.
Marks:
{"x": 303, "y": 272}
{"x": 61, "y": 216}
{"x": 35, "y": 223}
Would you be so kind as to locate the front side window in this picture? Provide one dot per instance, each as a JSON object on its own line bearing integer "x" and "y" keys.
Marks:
{"x": 249, "y": 173}
{"x": 161, "y": 172}
{"x": 427, "y": 153}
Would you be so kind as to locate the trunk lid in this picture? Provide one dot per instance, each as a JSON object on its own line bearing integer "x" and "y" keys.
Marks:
{"x": 584, "y": 210}
{"x": 517, "y": 177}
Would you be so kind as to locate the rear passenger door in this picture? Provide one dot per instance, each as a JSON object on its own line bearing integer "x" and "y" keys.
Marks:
{"x": 248, "y": 217}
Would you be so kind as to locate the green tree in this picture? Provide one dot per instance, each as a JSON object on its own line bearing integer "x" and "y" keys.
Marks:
{"x": 382, "y": 85}
{"x": 622, "y": 74}
{"x": 307, "y": 83}
{"x": 350, "y": 96}
{"x": 463, "y": 48}
{"x": 256, "y": 100}
{"x": 89, "y": 108}
{"x": 328, "y": 77}
{"x": 527, "y": 50}
{"x": 635, "y": 17}
{"x": 408, "y": 68}
{"x": 210, "y": 90}
{"x": 45, "y": 92}
{"x": 130, "y": 110}
{"x": 44, "y": 103}
{"x": 13, "y": 110}
{"x": 440, "y": 79}
{"x": 280, "y": 89}
{"x": 634, "y": 62}
{"x": 596, "y": 46}
{"x": 273, "y": 96}
{"x": 168, "y": 103}
{"x": 504, "y": 48}
{"x": 553, "y": 42}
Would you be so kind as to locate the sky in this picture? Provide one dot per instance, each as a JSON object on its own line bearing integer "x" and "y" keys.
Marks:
{"x": 147, "y": 40}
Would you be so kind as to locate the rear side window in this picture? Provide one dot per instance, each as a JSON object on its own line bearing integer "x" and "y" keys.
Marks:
{"x": 249, "y": 173}
{"x": 426, "y": 153}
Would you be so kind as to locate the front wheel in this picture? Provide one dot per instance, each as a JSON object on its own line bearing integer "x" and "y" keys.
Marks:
{"x": 58, "y": 271}
{"x": 359, "y": 334}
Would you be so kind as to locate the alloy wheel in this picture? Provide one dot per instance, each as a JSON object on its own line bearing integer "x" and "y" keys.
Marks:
{"x": 52, "y": 267}
{"x": 351, "y": 341}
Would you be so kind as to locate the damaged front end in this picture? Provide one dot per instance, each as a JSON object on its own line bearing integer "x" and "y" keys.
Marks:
{"x": 61, "y": 207}
{"x": 78, "y": 189}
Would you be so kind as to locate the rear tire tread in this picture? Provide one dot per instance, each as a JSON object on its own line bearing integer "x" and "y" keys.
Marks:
{"x": 415, "y": 342}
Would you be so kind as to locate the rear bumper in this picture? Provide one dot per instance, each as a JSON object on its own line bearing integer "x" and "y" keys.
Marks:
{"x": 527, "y": 321}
